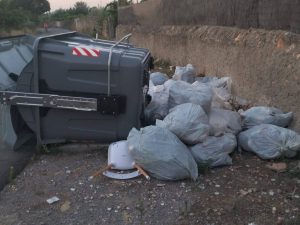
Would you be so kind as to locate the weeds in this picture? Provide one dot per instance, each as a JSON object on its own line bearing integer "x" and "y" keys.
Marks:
{"x": 11, "y": 175}
{"x": 203, "y": 168}
{"x": 185, "y": 210}
{"x": 294, "y": 221}
{"x": 141, "y": 209}
{"x": 163, "y": 66}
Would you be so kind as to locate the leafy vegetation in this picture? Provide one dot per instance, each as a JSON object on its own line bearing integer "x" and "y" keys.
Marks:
{"x": 17, "y": 14}
{"x": 21, "y": 13}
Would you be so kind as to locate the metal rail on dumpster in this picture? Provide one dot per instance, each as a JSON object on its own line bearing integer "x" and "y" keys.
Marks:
{"x": 109, "y": 62}
{"x": 48, "y": 101}
{"x": 112, "y": 105}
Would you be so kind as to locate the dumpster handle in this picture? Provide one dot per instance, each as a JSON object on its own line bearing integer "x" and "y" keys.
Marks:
{"x": 36, "y": 80}
{"x": 109, "y": 62}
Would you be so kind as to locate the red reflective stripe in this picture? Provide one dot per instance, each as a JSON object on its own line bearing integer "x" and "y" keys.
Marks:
{"x": 87, "y": 52}
{"x": 96, "y": 51}
{"x": 76, "y": 52}
{"x": 92, "y": 52}
{"x": 81, "y": 51}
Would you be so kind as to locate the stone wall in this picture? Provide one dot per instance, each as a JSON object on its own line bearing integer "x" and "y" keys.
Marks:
{"x": 267, "y": 14}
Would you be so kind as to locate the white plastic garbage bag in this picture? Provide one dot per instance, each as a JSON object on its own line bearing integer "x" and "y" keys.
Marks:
{"x": 186, "y": 73}
{"x": 270, "y": 141}
{"x": 158, "y": 108}
{"x": 223, "y": 82}
{"x": 265, "y": 115}
{"x": 224, "y": 121}
{"x": 158, "y": 78}
{"x": 162, "y": 154}
{"x": 221, "y": 90}
{"x": 182, "y": 92}
{"x": 188, "y": 121}
{"x": 214, "y": 151}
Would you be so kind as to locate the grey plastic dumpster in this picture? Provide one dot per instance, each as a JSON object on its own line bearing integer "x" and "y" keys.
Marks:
{"x": 15, "y": 54}
{"x": 71, "y": 87}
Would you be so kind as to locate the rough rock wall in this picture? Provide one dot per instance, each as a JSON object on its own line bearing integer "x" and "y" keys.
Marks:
{"x": 264, "y": 65}
{"x": 223, "y": 38}
{"x": 267, "y": 14}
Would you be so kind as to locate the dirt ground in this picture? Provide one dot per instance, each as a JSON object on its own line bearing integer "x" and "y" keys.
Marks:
{"x": 245, "y": 193}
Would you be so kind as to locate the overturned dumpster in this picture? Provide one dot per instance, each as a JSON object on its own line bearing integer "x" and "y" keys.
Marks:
{"x": 67, "y": 87}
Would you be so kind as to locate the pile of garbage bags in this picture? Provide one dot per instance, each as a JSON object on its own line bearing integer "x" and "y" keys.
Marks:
{"x": 192, "y": 125}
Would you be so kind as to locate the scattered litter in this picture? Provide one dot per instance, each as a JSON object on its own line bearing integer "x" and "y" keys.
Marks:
{"x": 72, "y": 189}
{"x": 162, "y": 154}
{"x": 271, "y": 193}
{"x": 160, "y": 185}
{"x": 224, "y": 121}
{"x": 270, "y": 142}
{"x": 265, "y": 115}
{"x": 188, "y": 121}
{"x": 66, "y": 206}
{"x": 109, "y": 209}
{"x": 186, "y": 73}
{"x": 277, "y": 167}
{"x": 158, "y": 78}
{"x": 52, "y": 200}
{"x": 243, "y": 192}
{"x": 214, "y": 151}
{"x": 217, "y": 193}
{"x": 68, "y": 171}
